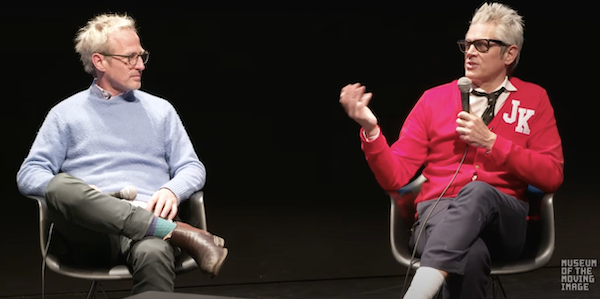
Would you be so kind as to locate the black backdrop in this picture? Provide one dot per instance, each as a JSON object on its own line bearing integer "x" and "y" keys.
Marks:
{"x": 257, "y": 88}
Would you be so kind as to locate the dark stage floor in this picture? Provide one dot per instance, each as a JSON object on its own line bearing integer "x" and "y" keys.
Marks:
{"x": 543, "y": 283}
{"x": 332, "y": 243}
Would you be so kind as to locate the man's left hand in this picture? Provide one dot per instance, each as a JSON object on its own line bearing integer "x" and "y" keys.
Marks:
{"x": 164, "y": 204}
{"x": 474, "y": 132}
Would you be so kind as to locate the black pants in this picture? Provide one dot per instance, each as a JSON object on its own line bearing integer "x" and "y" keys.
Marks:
{"x": 97, "y": 230}
{"x": 464, "y": 234}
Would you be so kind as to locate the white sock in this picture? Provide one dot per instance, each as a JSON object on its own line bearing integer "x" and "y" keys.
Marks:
{"x": 425, "y": 284}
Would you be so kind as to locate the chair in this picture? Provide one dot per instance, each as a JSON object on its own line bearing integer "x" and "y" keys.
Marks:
{"x": 539, "y": 244}
{"x": 191, "y": 211}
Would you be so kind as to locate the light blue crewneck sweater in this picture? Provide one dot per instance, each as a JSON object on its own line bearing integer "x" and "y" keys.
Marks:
{"x": 134, "y": 139}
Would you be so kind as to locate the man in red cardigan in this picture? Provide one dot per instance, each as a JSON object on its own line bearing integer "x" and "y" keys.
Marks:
{"x": 479, "y": 171}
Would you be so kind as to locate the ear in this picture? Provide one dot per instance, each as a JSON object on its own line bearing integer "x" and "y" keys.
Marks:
{"x": 99, "y": 61}
{"x": 511, "y": 54}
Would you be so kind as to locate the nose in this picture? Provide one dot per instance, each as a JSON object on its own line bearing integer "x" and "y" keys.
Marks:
{"x": 471, "y": 50}
{"x": 139, "y": 65}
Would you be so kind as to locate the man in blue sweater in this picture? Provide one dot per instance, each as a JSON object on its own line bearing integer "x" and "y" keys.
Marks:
{"x": 105, "y": 138}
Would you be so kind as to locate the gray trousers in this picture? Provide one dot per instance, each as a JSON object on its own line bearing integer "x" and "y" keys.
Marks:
{"x": 464, "y": 234}
{"x": 97, "y": 230}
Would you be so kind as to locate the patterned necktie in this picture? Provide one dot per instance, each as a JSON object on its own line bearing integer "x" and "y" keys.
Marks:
{"x": 488, "y": 114}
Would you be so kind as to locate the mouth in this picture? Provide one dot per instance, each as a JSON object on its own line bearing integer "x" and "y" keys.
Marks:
{"x": 470, "y": 65}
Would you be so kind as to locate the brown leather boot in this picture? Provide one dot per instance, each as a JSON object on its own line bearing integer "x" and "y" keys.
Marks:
{"x": 206, "y": 248}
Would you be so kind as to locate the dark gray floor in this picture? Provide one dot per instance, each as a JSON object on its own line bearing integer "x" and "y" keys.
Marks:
{"x": 265, "y": 253}
{"x": 543, "y": 283}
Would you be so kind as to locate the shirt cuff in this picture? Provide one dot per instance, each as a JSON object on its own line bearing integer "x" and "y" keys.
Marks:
{"x": 370, "y": 139}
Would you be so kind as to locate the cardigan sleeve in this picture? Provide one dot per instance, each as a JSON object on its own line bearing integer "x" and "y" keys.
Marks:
{"x": 393, "y": 166}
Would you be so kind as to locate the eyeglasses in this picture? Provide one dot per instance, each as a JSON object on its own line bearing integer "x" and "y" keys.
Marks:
{"x": 133, "y": 57}
{"x": 482, "y": 45}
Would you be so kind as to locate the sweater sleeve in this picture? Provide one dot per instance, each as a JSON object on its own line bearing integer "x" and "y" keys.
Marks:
{"x": 188, "y": 174}
{"x": 45, "y": 157}
{"x": 541, "y": 162}
{"x": 393, "y": 166}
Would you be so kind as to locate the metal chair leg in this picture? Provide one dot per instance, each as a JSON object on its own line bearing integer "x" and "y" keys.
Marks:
{"x": 92, "y": 293}
{"x": 497, "y": 288}
{"x": 501, "y": 288}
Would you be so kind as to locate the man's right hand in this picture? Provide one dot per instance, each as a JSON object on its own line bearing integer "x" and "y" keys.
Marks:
{"x": 356, "y": 104}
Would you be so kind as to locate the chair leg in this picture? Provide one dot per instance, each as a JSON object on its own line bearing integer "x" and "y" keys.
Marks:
{"x": 501, "y": 288}
{"x": 92, "y": 293}
{"x": 497, "y": 288}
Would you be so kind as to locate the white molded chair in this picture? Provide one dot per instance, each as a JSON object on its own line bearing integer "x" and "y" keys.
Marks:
{"x": 539, "y": 244}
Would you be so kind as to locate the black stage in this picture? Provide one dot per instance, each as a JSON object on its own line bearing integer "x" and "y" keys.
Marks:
{"x": 288, "y": 186}
{"x": 543, "y": 283}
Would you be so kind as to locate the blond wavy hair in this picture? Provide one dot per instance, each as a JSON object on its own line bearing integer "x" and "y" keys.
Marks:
{"x": 93, "y": 37}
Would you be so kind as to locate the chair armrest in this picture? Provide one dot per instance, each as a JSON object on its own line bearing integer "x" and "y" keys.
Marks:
{"x": 399, "y": 233}
{"x": 44, "y": 221}
{"x": 414, "y": 186}
{"x": 192, "y": 210}
{"x": 547, "y": 239}
{"x": 402, "y": 212}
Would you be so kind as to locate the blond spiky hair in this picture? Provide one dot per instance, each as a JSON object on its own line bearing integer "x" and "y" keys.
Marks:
{"x": 509, "y": 25}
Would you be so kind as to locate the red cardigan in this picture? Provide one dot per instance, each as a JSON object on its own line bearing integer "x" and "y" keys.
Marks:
{"x": 527, "y": 151}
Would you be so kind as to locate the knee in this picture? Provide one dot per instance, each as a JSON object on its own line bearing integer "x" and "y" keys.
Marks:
{"x": 152, "y": 251}
{"x": 60, "y": 189}
{"x": 474, "y": 192}
{"x": 475, "y": 187}
{"x": 57, "y": 184}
